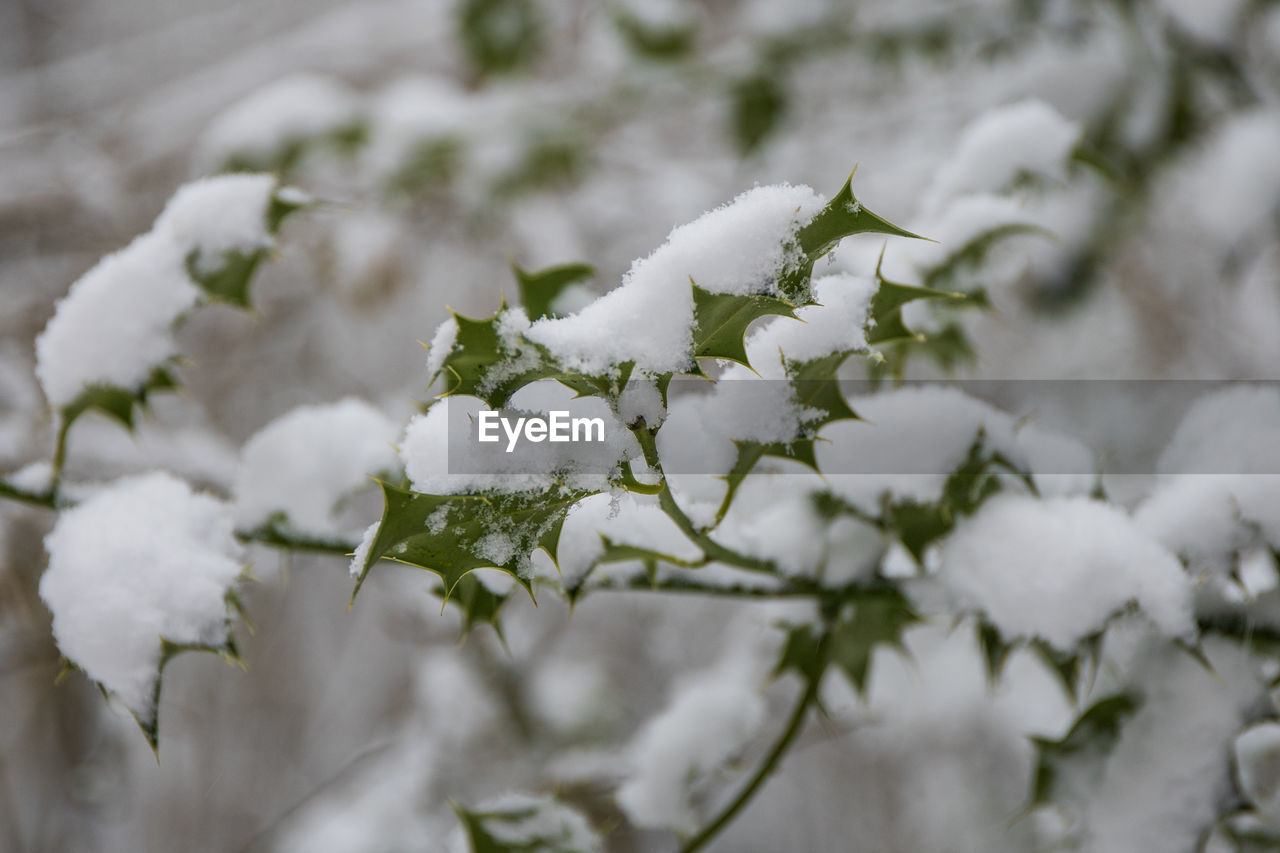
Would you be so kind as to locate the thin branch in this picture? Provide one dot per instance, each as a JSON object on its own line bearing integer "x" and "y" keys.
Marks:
{"x": 794, "y": 725}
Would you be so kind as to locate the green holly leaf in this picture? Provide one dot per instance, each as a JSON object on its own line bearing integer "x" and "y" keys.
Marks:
{"x": 538, "y": 290}
{"x": 875, "y": 617}
{"x": 478, "y": 604}
{"x": 977, "y": 478}
{"x": 803, "y": 653}
{"x": 451, "y": 535}
{"x": 114, "y": 402}
{"x": 500, "y": 36}
{"x": 995, "y": 651}
{"x": 884, "y": 320}
{"x": 659, "y": 41}
{"x": 720, "y": 322}
{"x": 816, "y": 391}
{"x": 528, "y": 824}
{"x": 758, "y": 103}
{"x": 842, "y": 217}
{"x": 486, "y": 363}
{"x": 228, "y": 282}
{"x": 973, "y": 254}
{"x": 1090, "y": 738}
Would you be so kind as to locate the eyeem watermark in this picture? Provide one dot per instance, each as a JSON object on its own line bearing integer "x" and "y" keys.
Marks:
{"x": 558, "y": 426}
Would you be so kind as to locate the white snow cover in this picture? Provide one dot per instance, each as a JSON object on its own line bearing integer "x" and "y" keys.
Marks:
{"x": 773, "y": 517}
{"x": 1182, "y": 737}
{"x": 549, "y": 827}
{"x": 290, "y": 110}
{"x": 213, "y": 216}
{"x": 1027, "y": 136}
{"x": 625, "y": 521}
{"x": 1058, "y": 569}
{"x": 306, "y": 461}
{"x": 144, "y": 559}
{"x": 1257, "y": 752}
{"x": 736, "y": 248}
{"x": 1209, "y": 22}
{"x": 114, "y": 326}
{"x": 1232, "y": 186}
{"x": 441, "y": 345}
{"x": 837, "y": 322}
{"x": 1209, "y": 503}
{"x": 447, "y": 433}
{"x": 910, "y": 439}
{"x": 705, "y": 725}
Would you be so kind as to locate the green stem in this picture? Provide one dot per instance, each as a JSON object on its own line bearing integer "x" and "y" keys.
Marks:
{"x": 59, "y": 456}
{"x": 631, "y": 484}
{"x": 276, "y": 539}
{"x": 794, "y": 725}
{"x": 667, "y": 501}
{"x": 43, "y": 499}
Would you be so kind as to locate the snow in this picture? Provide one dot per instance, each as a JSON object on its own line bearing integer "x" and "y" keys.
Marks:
{"x": 1231, "y": 187}
{"x": 288, "y": 111}
{"x": 773, "y": 517}
{"x": 304, "y": 463}
{"x": 1211, "y": 23}
{"x": 909, "y": 441}
{"x": 442, "y": 455}
{"x": 837, "y": 323}
{"x": 1059, "y": 569}
{"x": 625, "y": 520}
{"x": 214, "y": 216}
{"x": 114, "y": 326}
{"x": 441, "y": 345}
{"x": 1257, "y": 754}
{"x": 535, "y": 823}
{"x": 1181, "y": 736}
{"x": 1219, "y": 487}
{"x": 706, "y": 724}
{"x": 1024, "y": 137}
{"x": 142, "y": 560}
{"x": 361, "y": 555}
{"x": 737, "y": 248}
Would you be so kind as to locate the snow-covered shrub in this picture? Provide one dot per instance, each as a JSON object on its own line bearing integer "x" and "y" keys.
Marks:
{"x": 993, "y": 646}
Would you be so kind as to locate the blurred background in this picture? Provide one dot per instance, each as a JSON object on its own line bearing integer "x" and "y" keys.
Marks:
{"x": 451, "y": 138}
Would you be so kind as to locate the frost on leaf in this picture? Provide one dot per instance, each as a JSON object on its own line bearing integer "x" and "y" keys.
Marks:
{"x": 139, "y": 572}
{"x": 451, "y": 535}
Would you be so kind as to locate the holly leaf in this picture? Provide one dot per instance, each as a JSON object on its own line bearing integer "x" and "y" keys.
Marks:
{"x": 974, "y": 253}
{"x": 875, "y": 617}
{"x": 116, "y": 402}
{"x": 1091, "y": 737}
{"x": 816, "y": 392}
{"x": 478, "y": 604}
{"x": 659, "y": 41}
{"x": 884, "y": 319}
{"x": 976, "y": 479}
{"x": 842, "y": 217}
{"x": 528, "y": 824}
{"x": 451, "y": 535}
{"x": 487, "y": 363}
{"x": 720, "y": 321}
{"x": 802, "y": 653}
{"x": 538, "y": 290}
{"x": 228, "y": 281}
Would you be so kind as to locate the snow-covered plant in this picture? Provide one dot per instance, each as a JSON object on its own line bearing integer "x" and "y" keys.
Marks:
{"x": 1020, "y": 659}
